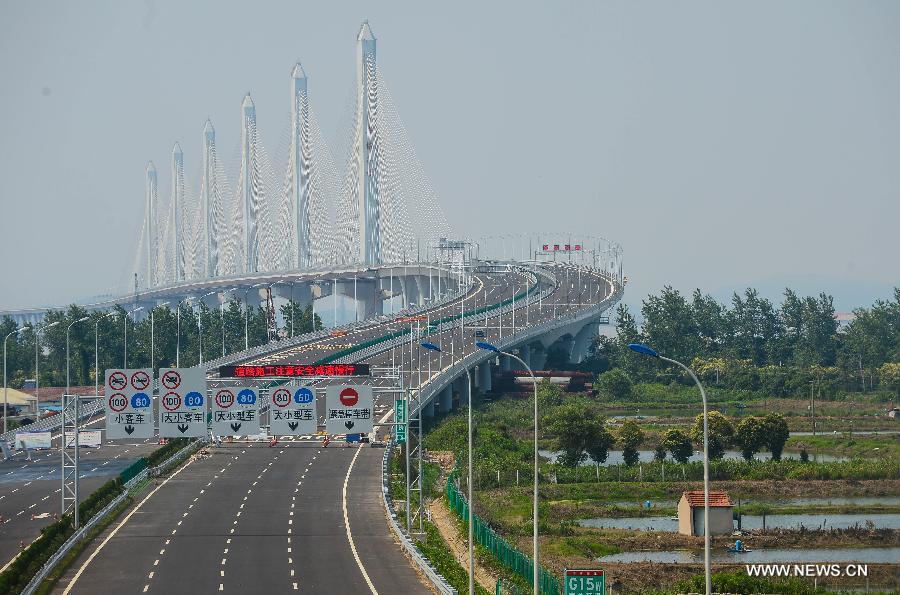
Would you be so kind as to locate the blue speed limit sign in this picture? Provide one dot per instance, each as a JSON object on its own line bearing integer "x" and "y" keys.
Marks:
{"x": 303, "y": 396}
{"x": 193, "y": 399}
{"x": 140, "y": 401}
{"x": 246, "y": 397}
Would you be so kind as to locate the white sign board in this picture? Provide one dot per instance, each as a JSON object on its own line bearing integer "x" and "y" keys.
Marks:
{"x": 129, "y": 403}
{"x": 293, "y": 411}
{"x": 89, "y": 438}
{"x": 33, "y": 440}
{"x": 182, "y": 402}
{"x": 348, "y": 409}
{"x": 235, "y": 411}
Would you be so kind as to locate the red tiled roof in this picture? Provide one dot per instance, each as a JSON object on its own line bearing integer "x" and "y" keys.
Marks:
{"x": 695, "y": 498}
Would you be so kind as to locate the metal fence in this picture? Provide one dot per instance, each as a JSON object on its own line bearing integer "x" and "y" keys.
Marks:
{"x": 508, "y": 555}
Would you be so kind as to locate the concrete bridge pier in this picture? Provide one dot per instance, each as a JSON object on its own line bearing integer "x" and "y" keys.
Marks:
{"x": 505, "y": 363}
{"x": 364, "y": 293}
{"x": 484, "y": 377}
{"x": 428, "y": 408}
{"x": 582, "y": 342}
{"x": 525, "y": 354}
{"x": 446, "y": 400}
{"x": 538, "y": 358}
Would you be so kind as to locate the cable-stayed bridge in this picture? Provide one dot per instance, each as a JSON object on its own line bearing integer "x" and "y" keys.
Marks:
{"x": 368, "y": 229}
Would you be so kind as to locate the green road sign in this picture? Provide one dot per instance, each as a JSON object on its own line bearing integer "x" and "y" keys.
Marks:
{"x": 585, "y": 582}
{"x": 400, "y": 418}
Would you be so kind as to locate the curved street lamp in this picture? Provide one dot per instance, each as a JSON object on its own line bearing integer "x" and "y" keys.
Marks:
{"x": 434, "y": 347}
{"x": 97, "y": 351}
{"x": 37, "y": 376}
{"x": 5, "y": 392}
{"x": 68, "y": 328}
{"x": 125, "y": 353}
{"x": 646, "y": 350}
{"x": 178, "y": 330}
{"x": 489, "y": 347}
{"x": 153, "y": 333}
{"x": 246, "y": 316}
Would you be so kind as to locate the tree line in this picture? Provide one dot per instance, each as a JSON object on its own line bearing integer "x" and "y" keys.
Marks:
{"x": 221, "y": 330}
{"x": 754, "y": 344}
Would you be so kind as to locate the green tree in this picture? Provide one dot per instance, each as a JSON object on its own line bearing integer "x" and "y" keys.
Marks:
{"x": 678, "y": 443}
{"x": 631, "y": 437}
{"x": 549, "y": 395}
{"x": 889, "y": 376}
{"x": 720, "y": 430}
{"x": 578, "y": 432}
{"x": 750, "y": 436}
{"x": 776, "y": 433}
{"x": 659, "y": 453}
{"x": 615, "y": 384}
{"x": 669, "y": 324}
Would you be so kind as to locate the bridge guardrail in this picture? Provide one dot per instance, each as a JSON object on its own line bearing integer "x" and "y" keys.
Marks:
{"x": 438, "y": 581}
{"x": 275, "y": 346}
{"x": 80, "y": 534}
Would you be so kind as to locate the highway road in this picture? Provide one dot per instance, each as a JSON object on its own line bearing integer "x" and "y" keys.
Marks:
{"x": 296, "y": 516}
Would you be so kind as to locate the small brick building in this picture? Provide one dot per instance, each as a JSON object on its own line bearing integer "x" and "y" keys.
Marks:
{"x": 690, "y": 513}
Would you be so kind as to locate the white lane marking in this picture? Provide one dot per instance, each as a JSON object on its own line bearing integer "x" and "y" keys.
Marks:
{"x": 119, "y": 526}
{"x": 347, "y": 527}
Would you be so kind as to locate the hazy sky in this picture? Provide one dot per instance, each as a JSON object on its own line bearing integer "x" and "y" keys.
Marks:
{"x": 723, "y": 144}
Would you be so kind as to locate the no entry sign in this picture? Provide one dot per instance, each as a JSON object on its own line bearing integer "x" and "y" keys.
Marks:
{"x": 293, "y": 411}
{"x": 129, "y": 403}
{"x": 348, "y": 409}
{"x": 182, "y": 404}
{"x": 235, "y": 412}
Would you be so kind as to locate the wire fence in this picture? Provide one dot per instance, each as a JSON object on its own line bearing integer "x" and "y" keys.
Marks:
{"x": 508, "y": 555}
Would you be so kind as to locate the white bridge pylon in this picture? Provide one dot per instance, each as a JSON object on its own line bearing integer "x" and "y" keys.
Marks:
{"x": 296, "y": 211}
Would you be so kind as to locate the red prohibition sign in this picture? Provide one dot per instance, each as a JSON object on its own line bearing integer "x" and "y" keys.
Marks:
{"x": 225, "y": 398}
{"x": 118, "y": 381}
{"x": 140, "y": 380}
{"x": 171, "y": 380}
{"x": 118, "y": 402}
{"x": 171, "y": 401}
{"x": 349, "y": 397}
{"x": 281, "y": 397}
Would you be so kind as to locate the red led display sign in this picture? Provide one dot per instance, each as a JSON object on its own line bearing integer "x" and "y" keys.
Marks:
{"x": 291, "y": 371}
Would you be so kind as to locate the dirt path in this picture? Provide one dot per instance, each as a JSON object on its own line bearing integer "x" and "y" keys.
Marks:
{"x": 446, "y": 524}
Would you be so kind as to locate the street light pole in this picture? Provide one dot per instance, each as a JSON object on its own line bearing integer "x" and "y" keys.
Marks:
{"x": 437, "y": 348}
{"x": 68, "y": 328}
{"x": 644, "y": 349}
{"x": 125, "y": 353}
{"x": 178, "y": 331}
{"x": 247, "y": 316}
{"x": 152, "y": 333}
{"x": 97, "y": 351}
{"x": 200, "y": 326}
{"x": 37, "y": 375}
{"x": 5, "y": 391}
{"x": 537, "y": 565}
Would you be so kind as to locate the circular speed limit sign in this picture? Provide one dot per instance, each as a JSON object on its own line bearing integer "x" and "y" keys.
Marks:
{"x": 171, "y": 401}
{"x": 281, "y": 397}
{"x": 118, "y": 402}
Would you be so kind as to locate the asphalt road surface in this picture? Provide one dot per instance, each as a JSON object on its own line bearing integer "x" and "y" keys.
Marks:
{"x": 296, "y": 516}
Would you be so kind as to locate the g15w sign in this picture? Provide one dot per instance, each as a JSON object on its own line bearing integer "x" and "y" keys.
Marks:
{"x": 585, "y": 582}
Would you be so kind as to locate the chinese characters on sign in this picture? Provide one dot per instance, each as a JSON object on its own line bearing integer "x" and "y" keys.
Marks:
{"x": 235, "y": 412}
{"x": 400, "y": 418}
{"x": 293, "y": 411}
{"x": 348, "y": 409}
{"x": 129, "y": 403}
{"x": 562, "y": 247}
{"x": 299, "y": 370}
{"x": 584, "y": 582}
{"x": 182, "y": 402}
